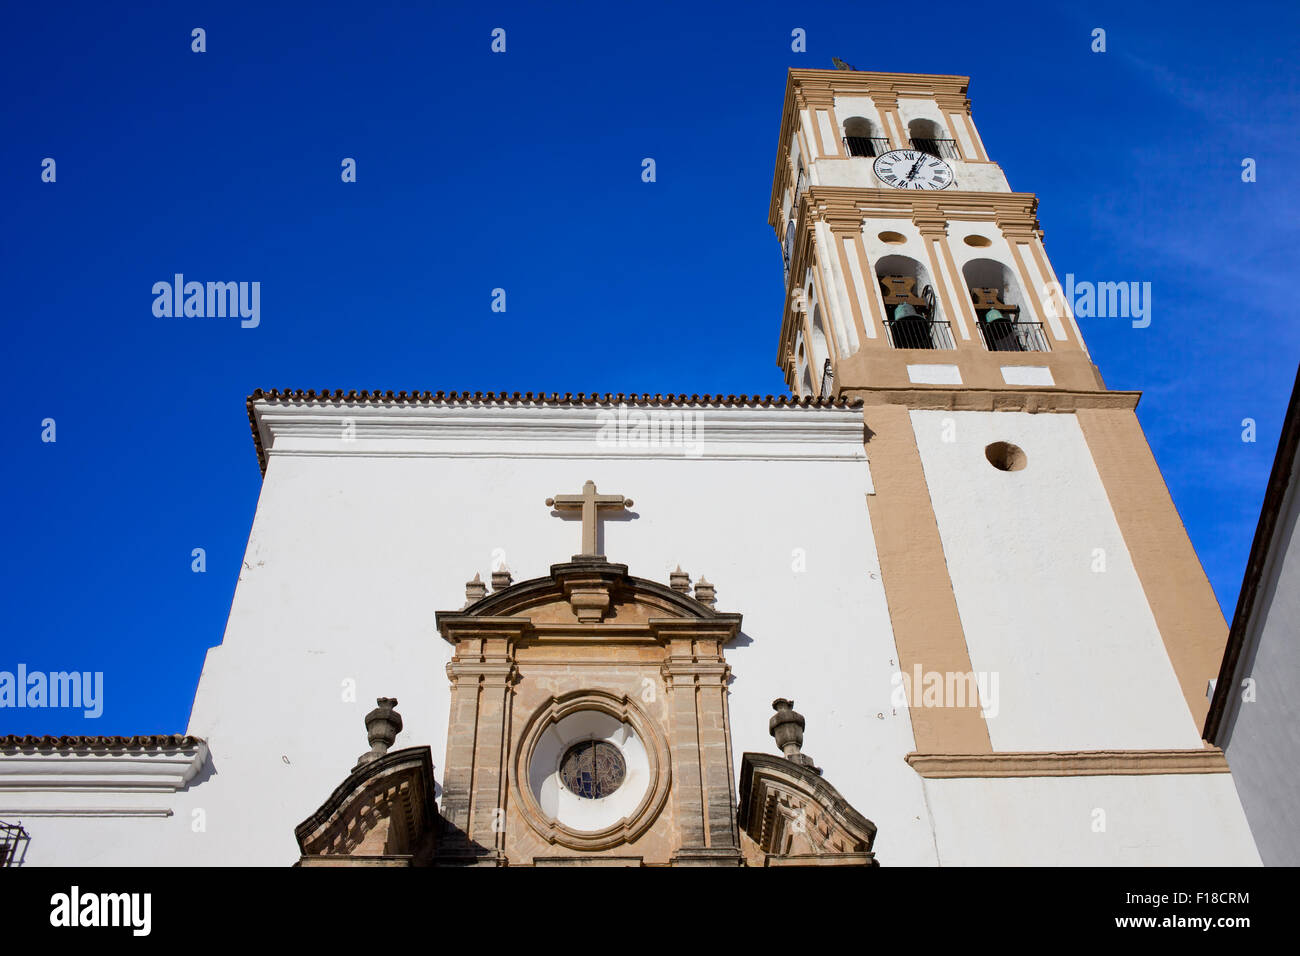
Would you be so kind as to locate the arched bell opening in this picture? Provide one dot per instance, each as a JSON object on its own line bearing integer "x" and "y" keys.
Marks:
{"x": 911, "y": 309}
{"x": 930, "y": 137}
{"x": 999, "y": 308}
{"x": 863, "y": 138}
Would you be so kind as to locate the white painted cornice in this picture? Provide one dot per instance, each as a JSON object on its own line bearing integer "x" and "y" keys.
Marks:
{"x": 541, "y": 431}
{"x": 159, "y": 771}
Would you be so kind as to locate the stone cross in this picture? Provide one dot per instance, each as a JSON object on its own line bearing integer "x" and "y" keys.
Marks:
{"x": 590, "y": 504}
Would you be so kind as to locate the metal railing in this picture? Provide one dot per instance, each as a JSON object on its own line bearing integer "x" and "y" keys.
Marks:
{"x": 1004, "y": 335}
{"x": 828, "y": 379}
{"x": 13, "y": 844}
{"x": 943, "y": 148}
{"x": 866, "y": 145}
{"x": 918, "y": 332}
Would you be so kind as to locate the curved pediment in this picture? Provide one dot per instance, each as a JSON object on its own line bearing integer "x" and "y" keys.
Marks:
{"x": 583, "y": 593}
{"x": 796, "y": 818}
{"x": 381, "y": 814}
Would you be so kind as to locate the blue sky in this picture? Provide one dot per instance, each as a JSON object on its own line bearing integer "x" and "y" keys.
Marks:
{"x": 522, "y": 171}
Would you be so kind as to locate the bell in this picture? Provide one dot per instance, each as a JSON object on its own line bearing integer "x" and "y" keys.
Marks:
{"x": 993, "y": 315}
{"x": 906, "y": 311}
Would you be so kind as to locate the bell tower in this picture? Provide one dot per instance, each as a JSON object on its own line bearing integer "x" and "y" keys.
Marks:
{"x": 909, "y": 261}
{"x": 1024, "y": 532}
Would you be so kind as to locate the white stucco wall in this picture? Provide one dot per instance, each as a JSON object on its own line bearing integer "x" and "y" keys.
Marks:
{"x": 934, "y": 374}
{"x": 856, "y": 171}
{"x": 1028, "y": 375}
{"x": 1080, "y": 662}
{"x": 1142, "y": 820}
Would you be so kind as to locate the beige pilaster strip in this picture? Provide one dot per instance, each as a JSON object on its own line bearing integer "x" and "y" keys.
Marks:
{"x": 817, "y": 132}
{"x": 967, "y": 309}
{"x": 839, "y": 235}
{"x": 1035, "y": 291}
{"x": 1177, "y": 590}
{"x": 823, "y": 282}
{"x": 975, "y": 139}
{"x": 933, "y": 227}
{"x": 1069, "y": 763}
{"x": 931, "y": 239}
{"x": 900, "y": 131}
{"x": 838, "y": 130}
{"x": 806, "y": 156}
{"x": 963, "y": 152}
{"x": 1063, "y": 308}
{"x": 870, "y": 285}
{"x": 922, "y": 606}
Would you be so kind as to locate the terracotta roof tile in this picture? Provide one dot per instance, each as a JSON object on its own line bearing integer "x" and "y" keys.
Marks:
{"x": 390, "y": 397}
{"x": 17, "y": 743}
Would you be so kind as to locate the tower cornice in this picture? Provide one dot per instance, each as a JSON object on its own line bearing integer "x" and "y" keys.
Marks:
{"x": 868, "y": 83}
{"x": 1014, "y": 210}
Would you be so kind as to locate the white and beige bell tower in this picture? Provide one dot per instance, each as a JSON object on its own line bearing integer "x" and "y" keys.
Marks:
{"x": 1023, "y": 527}
{"x": 909, "y": 261}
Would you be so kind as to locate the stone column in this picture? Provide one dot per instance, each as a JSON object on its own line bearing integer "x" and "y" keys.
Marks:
{"x": 683, "y": 744}
{"x": 482, "y": 673}
{"x": 715, "y": 755}
{"x": 704, "y": 793}
{"x": 487, "y": 806}
{"x": 459, "y": 766}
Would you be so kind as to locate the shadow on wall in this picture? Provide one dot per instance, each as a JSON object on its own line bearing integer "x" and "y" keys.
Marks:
{"x": 14, "y": 840}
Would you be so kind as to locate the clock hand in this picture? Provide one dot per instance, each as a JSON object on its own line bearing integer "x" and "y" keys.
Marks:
{"x": 912, "y": 174}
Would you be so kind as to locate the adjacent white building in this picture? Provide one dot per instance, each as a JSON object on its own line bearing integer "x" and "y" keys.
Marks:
{"x": 1254, "y": 715}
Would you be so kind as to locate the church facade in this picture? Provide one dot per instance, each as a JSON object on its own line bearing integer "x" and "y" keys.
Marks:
{"x": 935, "y": 607}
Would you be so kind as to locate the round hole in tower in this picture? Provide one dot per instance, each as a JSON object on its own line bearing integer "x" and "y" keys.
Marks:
{"x": 893, "y": 238}
{"x": 979, "y": 242}
{"x": 1005, "y": 456}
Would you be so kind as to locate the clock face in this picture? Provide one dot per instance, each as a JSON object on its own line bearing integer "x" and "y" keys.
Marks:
{"x": 912, "y": 169}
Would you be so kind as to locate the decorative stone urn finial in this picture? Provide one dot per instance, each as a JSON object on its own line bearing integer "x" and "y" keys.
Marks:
{"x": 787, "y": 728}
{"x": 383, "y": 724}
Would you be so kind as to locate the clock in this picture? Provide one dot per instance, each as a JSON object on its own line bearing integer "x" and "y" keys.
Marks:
{"x": 912, "y": 169}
